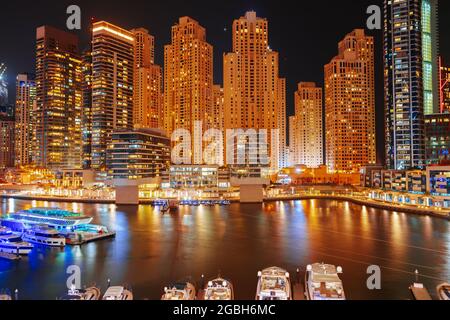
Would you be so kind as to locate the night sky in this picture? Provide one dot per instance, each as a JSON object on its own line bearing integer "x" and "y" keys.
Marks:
{"x": 304, "y": 32}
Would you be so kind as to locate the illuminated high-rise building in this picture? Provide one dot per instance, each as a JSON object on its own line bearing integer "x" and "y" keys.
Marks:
{"x": 112, "y": 86}
{"x": 254, "y": 94}
{"x": 3, "y": 86}
{"x": 6, "y": 139}
{"x": 87, "y": 109}
{"x": 147, "y": 112}
{"x": 307, "y": 130}
{"x": 25, "y": 104}
{"x": 188, "y": 80}
{"x": 411, "y": 78}
{"x": 350, "y": 105}
{"x": 216, "y": 114}
{"x": 430, "y": 42}
{"x": 57, "y": 118}
{"x": 444, "y": 80}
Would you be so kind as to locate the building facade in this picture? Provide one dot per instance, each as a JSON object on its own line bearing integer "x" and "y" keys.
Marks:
{"x": 3, "y": 85}
{"x": 254, "y": 94}
{"x": 57, "y": 120}
{"x": 307, "y": 125}
{"x": 138, "y": 154}
{"x": 188, "y": 82}
{"x": 86, "y": 128}
{"x": 112, "y": 86}
{"x": 437, "y": 132}
{"x": 148, "y": 110}
{"x": 350, "y": 104}
{"x": 411, "y": 78}
{"x": 25, "y": 104}
{"x": 444, "y": 80}
{"x": 7, "y": 126}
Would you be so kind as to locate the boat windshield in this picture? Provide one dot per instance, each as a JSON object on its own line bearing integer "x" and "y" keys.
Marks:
{"x": 273, "y": 283}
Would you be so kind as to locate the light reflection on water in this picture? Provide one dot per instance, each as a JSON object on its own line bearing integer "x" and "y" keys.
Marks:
{"x": 152, "y": 250}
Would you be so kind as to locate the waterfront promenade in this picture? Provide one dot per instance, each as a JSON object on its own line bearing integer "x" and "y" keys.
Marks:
{"x": 354, "y": 197}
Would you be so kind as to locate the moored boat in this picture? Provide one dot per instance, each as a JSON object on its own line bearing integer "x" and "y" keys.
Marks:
{"x": 118, "y": 293}
{"x": 91, "y": 293}
{"x": 443, "y": 291}
{"x": 43, "y": 235}
{"x": 179, "y": 291}
{"x": 323, "y": 283}
{"x": 219, "y": 289}
{"x": 55, "y": 218}
{"x": 12, "y": 243}
{"x": 273, "y": 284}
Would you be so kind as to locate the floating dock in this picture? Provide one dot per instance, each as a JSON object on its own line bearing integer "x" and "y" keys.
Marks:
{"x": 419, "y": 292}
{"x": 86, "y": 237}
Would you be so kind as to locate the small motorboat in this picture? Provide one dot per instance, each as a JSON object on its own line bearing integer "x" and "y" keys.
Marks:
{"x": 180, "y": 291}
{"x": 91, "y": 293}
{"x": 443, "y": 291}
{"x": 273, "y": 284}
{"x": 219, "y": 289}
{"x": 118, "y": 293}
{"x": 323, "y": 283}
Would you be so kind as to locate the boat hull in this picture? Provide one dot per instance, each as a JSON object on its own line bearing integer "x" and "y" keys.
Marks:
{"x": 23, "y": 251}
{"x": 49, "y": 242}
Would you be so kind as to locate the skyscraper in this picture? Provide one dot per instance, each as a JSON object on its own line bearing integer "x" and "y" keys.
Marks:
{"x": 216, "y": 115}
{"x": 437, "y": 133}
{"x": 253, "y": 90}
{"x": 25, "y": 104}
{"x": 411, "y": 78}
{"x": 112, "y": 86}
{"x": 57, "y": 119}
{"x": 430, "y": 42}
{"x": 444, "y": 87}
{"x": 87, "y": 108}
{"x": 350, "y": 104}
{"x": 147, "y": 112}
{"x": 3, "y": 86}
{"x": 307, "y": 125}
{"x": 188, "y": 80}
{"x": 6, "y": 140}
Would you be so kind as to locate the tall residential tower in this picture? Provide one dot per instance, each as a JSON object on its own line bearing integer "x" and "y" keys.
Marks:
{"x": 25, "y": 104}
{"x": 57, "y": 120}
{"x": 188, "y": 81}
{"x": 350, "y": 104}
{"x": 254, "y": 94}
{"x": 411, "y": 78}
{"x": 112, "y": 86}
{"x": 307, "y": 125}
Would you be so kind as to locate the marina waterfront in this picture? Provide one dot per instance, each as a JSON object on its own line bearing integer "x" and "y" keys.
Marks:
{"x": 152, "y": 250}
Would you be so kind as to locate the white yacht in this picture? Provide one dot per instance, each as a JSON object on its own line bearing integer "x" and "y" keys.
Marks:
{"x": 118, "y": 293}
{"x": 219, "y": 289}
{"x": 273, "y": 284}
{"x": 44, "y": 235}
{"x": 180, "y": 291}
{"x": 323, "y": 283}
{"x": 12, "y": 243}
{"x": 53, "y": 217}
{"x": 91, "y": 293}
